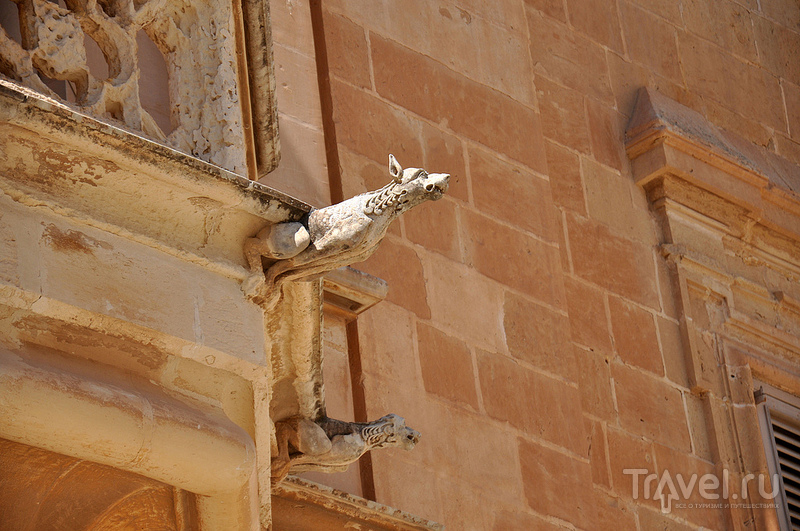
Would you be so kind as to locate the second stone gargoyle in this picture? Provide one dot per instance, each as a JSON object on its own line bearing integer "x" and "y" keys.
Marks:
{"x": 330, "y": 445}
{"x": 335, "y": 236}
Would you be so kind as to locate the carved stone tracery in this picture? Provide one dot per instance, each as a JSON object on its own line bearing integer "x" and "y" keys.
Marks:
{"x": 195, "y": 39}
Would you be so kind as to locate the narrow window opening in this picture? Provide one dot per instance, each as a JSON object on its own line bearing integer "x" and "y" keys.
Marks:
{"x": 95, "y": 60}
{"x": 9, "y": 20}
{"x": 9, "y": 23}
{"x": 114, "y": 110}
{"x": 154, "y": 83}
{"x": 108, "y": 7}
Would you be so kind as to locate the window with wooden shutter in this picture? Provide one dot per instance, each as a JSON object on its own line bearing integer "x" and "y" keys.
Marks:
{"x": 780, "y": 426}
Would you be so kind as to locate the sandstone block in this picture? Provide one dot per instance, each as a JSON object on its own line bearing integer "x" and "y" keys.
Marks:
{"x": 461, "y": 299}
{"x": 597, "y": 452}
{"x": 778, "y": 46}
{"x": 687, "y": 466}
{"x": 346, "y": 46}
{"x": 297, "y": 87}
{"x": 627, "y": 451}
{"x": 566, "y": 185}
{"x": 614, "y": 200}
{"x": 470, "y": 109}
{"x": 756, "y": 94}
{"x": 563, "y": 115}
{"x": 495, "y": 181}
{"x": 784, "y": 12}
{"x": 528, "y": 265}
{"x": 587, "y": 315}
{"x": 791, "y": 93}
{"x": 539, "y": 336}
{"x": 556, "y": 484}
{"x": 606, "y": 128}
{"x": 400, "y": 265}
{"x": 650, "y": 408}
{"x": 651, "y": 42}
{"x": 598, "y": 20}
{"x": 551, "y": 8}
{"x": 727, "y": 23}
{"x": 594, "y": 382}
{"x": 617, "y": 264}
{"x": 671, "y": 11}
{"x": 372, "y": 128}
{"x": 444, "y": 153}
{"x": 635, "y": 336}
{"x": 517, "y": 520}
{"x": 446, "y": 366}
{"x": 435, "y": 226}
{"x": 550, "y": 408}
{"x": 672, "y": 350}
{"x": 387, "y": 346}
{"x": 568, "y": 58}
{"x": 291, "y": 26}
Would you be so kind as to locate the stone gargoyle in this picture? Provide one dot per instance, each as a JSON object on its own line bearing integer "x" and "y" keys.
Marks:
{"x": 337, "y": 235}
{"x": 330, "y": 445}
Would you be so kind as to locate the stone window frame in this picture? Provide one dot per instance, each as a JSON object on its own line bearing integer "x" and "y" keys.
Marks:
{"x": 728, "y": 214}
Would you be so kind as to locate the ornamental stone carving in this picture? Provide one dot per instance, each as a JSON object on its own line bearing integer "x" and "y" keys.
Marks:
{"x": 335, "y": 236}
{"x": 330, "y": 445}
{"x": 95, "y": 47}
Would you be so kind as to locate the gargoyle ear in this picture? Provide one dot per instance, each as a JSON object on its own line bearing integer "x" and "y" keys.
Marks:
{"x": 395, "y": 170}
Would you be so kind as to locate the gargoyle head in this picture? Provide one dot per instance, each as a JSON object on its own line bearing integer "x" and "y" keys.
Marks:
{"x": 409, "y": 188}
{"x": 391, "y": 430}
{"x": 417, "y": 181}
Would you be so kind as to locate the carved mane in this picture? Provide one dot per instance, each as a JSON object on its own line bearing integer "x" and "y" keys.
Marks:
{"x": 388, "y": 196}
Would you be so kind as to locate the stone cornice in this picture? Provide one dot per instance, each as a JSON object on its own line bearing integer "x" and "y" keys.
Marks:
{"x": 667, "y": 138}
{"x": 700, "y": 175}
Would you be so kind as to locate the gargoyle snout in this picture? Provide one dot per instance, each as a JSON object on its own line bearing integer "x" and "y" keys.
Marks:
{"x": 411, "y": 438}
{"x": 437, "y": 183}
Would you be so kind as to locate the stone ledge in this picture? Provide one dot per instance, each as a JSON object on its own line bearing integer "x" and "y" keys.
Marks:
{"x": 309, "y": 505}
{"x": 349, "y": 292}
{"x": 60, "y": 158}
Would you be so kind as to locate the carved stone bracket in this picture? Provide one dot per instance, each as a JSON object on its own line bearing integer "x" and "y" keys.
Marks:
{"x": 322, "y": 241}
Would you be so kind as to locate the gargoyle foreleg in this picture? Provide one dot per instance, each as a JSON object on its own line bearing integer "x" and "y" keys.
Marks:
{"x": 276, "y": 242}
{"x": 305, "y": 436}
{"x": 285, "y": 434}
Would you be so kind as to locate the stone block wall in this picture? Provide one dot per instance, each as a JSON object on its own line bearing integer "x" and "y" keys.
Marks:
{"x": 531, "y": 331}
